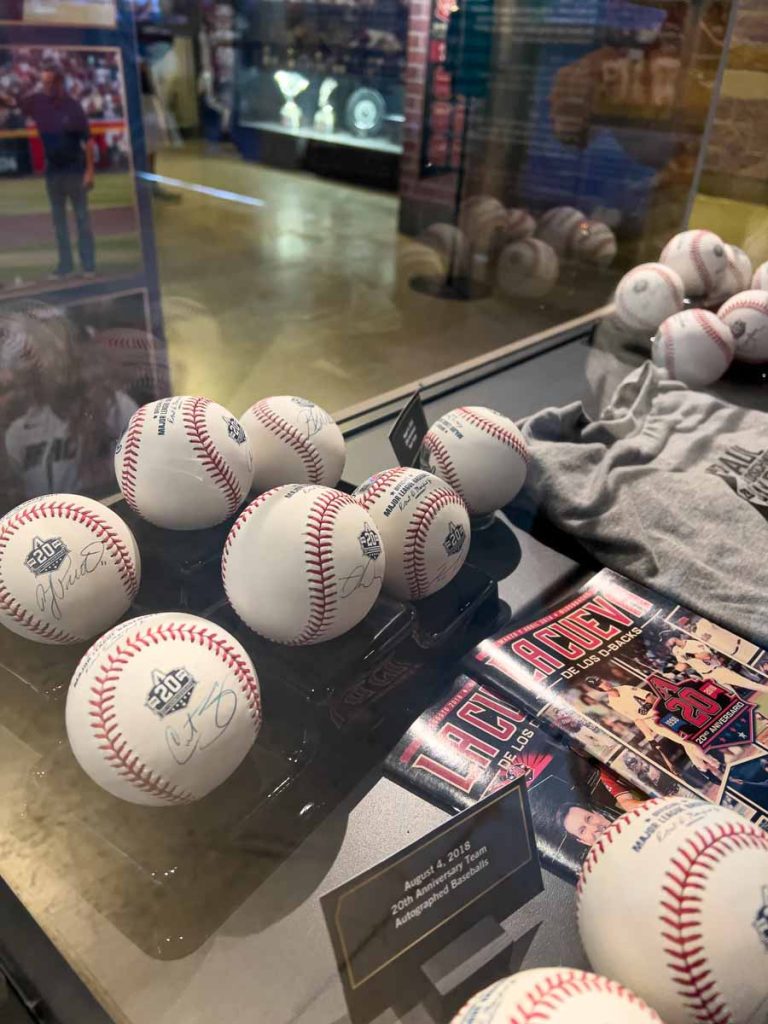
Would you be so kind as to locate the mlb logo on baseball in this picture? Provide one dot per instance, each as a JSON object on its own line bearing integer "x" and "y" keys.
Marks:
{"x": 370, "y": 544}
{"x": 171, "y": 691}
{"x": 455, "y": 538}
{"x": 46, "y": 555}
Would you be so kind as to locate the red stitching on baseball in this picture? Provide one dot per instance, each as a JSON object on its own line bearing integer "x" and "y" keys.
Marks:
{"x": 193, "y": 416}
{"x": 292, "y": 437}
{"x": 669, "y": 349}
{"x": 733, "y": 304}
{"x": 318, "y": 552}
{"x": 414, "y": 549}
{"x": 380, "y": 484}
{"x": 500, "y": 433}
{"x": 104, "y": 723}
{"x": 131, "y": 448}
{"x": 606, "y": 839}
{"x": 687, "y": 963}
{"x": 37, "y": 510}
{"x": 237, "y": 526}
{"x": 125, "y": 337}
{"x": 444, "y": 462}
{"x": 706, "y": 325}
{"x": 701, "y": 266}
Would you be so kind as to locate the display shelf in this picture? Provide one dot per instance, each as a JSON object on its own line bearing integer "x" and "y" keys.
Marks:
{"x": 378, "y": 145}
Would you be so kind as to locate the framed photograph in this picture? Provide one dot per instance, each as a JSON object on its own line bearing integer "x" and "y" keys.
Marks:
{"x": 86, "y": 13}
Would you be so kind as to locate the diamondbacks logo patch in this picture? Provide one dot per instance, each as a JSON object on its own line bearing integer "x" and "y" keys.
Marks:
{"x": 370, "y": 544}
{"x": 760, "y": 924}
{"x": 454, "y": 540}
{"x": 46, "y": 555}
{"x": 171, "y": 691}
{"x": 235, "y": 430}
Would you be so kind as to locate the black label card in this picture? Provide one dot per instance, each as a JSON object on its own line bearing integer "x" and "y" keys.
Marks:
{"x": 386, "y": 923}
{"x": 408, "y": 432}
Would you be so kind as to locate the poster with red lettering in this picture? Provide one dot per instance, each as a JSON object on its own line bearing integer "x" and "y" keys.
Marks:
{"x": 666, "y": 698}
{"x": 472, "y": 742}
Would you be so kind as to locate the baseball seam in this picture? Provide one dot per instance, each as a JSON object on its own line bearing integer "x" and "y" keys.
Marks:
{"x": 444, "y": 463}
{"x": 500, "y": 433}
{"x": 669, "y": 350}
{"x": 131, "y": 450}
{"x": 379, "y": 486}
{"x": 711, "y": 332}
{"x": 237, "y": 526}
{"x": 134, "y": 340}
{"x": 103, "y": 717}
{"x": 734, "y": 307}
{"x": 308, "y": 454}
{"x": 683, "y": 891}
{"x": 606, "y": 839}
{"x": 545, "y": 999}
{"x": 194, "y": 419}
{"x": 414, "y": 549}
{"x": 318, "y": 553}
{"x": 698, "y": 260}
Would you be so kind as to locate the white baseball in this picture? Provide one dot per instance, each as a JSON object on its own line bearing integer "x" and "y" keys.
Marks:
{"x": 527, "y": 268}
{"x": 451, "y": 244}
{"x": 184, "y": 463}
{"x": 673, "y": 902}
{"x": 133, "y": 352}
{"x": 694, "y": 346}
{"x": 293, "y": 441}
{"x": 699, "y": 258}
{"x": 558, "y": 227}
{"x": 555, "y": 995}
{"x": 760, "y": 277}
{"x": 480, "y": 454}
{"x": 424, "y": 527}
{"x": 747, "y": 316}
{"x": 69, "y": 568}
{"x": 303, "y": 564}
{"x": 736, "y": 277}
{"x": 520, "y": 224}
{"x": 483, "y": 220}
{"x": 594, "y": 242}
{"x": 163, "y": 708}
{"x": 647, "y": 295}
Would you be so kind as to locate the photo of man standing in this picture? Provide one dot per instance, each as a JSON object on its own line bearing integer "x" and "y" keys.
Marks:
{"x": 63, "y": 127}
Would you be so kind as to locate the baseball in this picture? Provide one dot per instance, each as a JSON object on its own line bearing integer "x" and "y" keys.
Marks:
{"x": 527, "y": 268}
{"x": 555, "y": 995}
{"x": 558, "y": 227}
{"x": 699, "y": 258}
{"x": 184, "y": 463}
{"x": 293, "y": 441}
{"x": 69, "y": 568}
{"x": 694, "y": 346}
{"x": 303, "y": 564}
{"x": 747, "y": 316}
{"x": 483, "y": 220}
{"x": 673, "y": 902}
{"x": 480, "y": 454}
{"x": 736, "y": 277}
{"x": 163, "y": 708}
{"x": 594, "y": 242}
{"x": 424, "y": 527}
{"x": 647, "y": 295}
{"x": 760, "y": 277}
{"x": 451, "y": 244}
{"x": 134, "y": 354}
{"x": 520, "y": 224}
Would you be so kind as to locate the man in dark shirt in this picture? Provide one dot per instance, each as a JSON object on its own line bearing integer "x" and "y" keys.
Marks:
{"x": 63, "y": 128}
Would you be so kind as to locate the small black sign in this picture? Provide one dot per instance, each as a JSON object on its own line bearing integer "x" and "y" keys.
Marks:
{"x": 389, "y": 921}
{"x": 408, "y": 432}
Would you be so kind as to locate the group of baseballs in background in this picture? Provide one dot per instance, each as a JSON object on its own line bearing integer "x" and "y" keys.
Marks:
{"x": 164, "y": 707}
{"x": 521, "y": 256}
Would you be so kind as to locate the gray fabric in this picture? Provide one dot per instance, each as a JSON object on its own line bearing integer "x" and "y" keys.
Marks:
{"x": 668, "y": 486}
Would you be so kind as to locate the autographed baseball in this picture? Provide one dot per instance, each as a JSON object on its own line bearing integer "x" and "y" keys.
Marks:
{"x": 293, "y": 441}
{"x": 555, "y": 995}
{"x": 69, "y": 568}
{"x": 673, "y": 902}
{"x": 424, "y": 527}
{"x": 694, "y": 346}
{"x": 647, "y": 295}
{"x": 480, "y": 454}
{"x": 527, "y": 268}
{"x": 163, "y": 708}
{"x": 747, "y": 316}
{"x": 760, "y": 277}
{"x": 558, "y": 227}
{"x": 736, "y": 277}
{"x": 184, "y": 463}
{"x": 303, "y": 564}
{"x": 594, "y": 242}
{"x": 699, "y": 258}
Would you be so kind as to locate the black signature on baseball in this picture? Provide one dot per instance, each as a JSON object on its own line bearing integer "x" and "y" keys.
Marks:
{"x": 361, "y": 577}
{"x": 51, "y": 594}
{"x": 202, "y": 725}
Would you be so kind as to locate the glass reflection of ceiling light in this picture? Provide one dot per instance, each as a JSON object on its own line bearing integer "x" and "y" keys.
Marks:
{"x": 291, "y": 84}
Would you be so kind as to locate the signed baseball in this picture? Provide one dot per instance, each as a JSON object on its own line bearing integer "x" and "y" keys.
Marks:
{"x": 558, "y": 227}
{"x": 747, "y": 316}
{"x": 527, "y": 268}
{"x": 424, "y": 527}
{"x": 303, "y": 564}
{"x": 699, "y": 258}
{"x": 694, "y": 346}
{"x": 480, "y": 454}
{"x": 555, "y": 995}
{"x": 69, "y": 568}
{"x": 293, "y": 441}
{"x": 163, "y": 708}
{"x": 673, "y": 902}
{"x": 736, "y": 277}
{"x": 648, "y": 294}
{"x": 760, "y": 277}
{"x": 184, "y": 463}
{"x": 594, "y": 242}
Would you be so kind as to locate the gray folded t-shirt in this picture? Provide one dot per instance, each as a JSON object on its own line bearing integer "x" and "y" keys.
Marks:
{"x": 668, "y": 486}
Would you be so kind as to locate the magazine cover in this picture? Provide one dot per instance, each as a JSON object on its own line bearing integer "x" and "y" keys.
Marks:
{"x": 472, "y": 742}
{"x": 662, "y": 695}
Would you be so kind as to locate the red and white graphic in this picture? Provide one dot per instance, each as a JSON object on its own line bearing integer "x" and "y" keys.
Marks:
{"x": 647, "y": 295}
{"x": 480, "y": 454}
{"x": 668, "y": 901}
{"x": 699, "y": 258}
{"x": 528, "y": 268}
{"x": 555, "y": 995}
{"x": 559, "y": 226}
{"x": 424, "y": 527}
{"x": 184, "y": 463}
{"x": 746, "y": 314}
{"x": 69, "y": 568}
{"x": 694, "y": 346}
{"x": 163, "y": 708}
{"x": 303, "y": 564}
{"x": 594, "y": 242}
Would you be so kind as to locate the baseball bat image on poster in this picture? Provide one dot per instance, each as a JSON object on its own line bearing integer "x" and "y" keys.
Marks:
{"x": 649, "y": 687}
{"x": 472, "y": 742}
